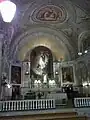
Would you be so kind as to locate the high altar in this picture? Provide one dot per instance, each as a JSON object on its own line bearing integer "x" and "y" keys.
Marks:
{"x": 40, "y": 72}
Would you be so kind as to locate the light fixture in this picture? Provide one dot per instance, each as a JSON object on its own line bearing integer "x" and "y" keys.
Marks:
{"x": 79, "y": 53}
{"x": 26, "y": 73}
{"x": 56, "y": 72}
{"x": 27, "y": 69}
{"x": 85, "y": 51}
{"x": 8, "y": 85}
{"x": 7, "y": 9}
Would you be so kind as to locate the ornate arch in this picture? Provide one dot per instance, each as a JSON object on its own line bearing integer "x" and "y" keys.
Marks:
{"x": 34, "y": 31}
{"x": 83, "y": 37}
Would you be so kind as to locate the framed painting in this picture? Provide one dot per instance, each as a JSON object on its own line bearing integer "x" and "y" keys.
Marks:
{"x": 67, "y": 74}
{"x": 15, "y": 74}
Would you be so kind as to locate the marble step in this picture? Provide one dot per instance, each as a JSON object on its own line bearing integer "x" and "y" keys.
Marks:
{"x": 47, "y": 116}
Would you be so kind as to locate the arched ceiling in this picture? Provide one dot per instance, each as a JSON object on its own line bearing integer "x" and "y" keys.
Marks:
{"x": 64, "y": 21}
{"x": 50, "y": 38}
{"x": 58, "y": 50}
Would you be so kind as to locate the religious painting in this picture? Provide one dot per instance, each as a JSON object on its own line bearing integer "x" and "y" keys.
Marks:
{"x": 50, "y": 13}
{"x": 41, "y": 61}
{"x": 67, "y": 74}
{"x": 15, "y": 74}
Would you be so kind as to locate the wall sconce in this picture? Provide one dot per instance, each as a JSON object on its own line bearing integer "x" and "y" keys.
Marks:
{"x": 56, "y": 73}
{"x": 26, "y": 73}
{"x": 79, "y": 53}
{"x": 27, "y": 69}
{"x": 8, "y": 85}
{"x": 85, "y": 51}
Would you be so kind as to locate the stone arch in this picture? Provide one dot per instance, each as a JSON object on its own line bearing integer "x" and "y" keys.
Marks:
{"x": 34, "y": 31}
{"x": 83, "y": 37}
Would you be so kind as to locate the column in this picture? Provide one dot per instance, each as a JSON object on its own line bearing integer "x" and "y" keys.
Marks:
{"x": 1, "y": 42}
{"x": 30, "y": 85}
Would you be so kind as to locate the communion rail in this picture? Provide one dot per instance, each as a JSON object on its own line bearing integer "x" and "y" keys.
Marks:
{"x": 22, "y": 105}
{"x": 82, "y": 102}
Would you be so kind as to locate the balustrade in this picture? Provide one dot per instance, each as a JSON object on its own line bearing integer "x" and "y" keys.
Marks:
{"x": 82, "y": 102}
{"x": 27, "y": 105}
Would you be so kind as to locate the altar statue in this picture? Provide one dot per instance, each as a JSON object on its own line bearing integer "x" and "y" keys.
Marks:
{"x": 40, "y": 63}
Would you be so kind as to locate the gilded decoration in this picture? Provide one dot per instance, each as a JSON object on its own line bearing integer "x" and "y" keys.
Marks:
{"x": 50, "y": 13}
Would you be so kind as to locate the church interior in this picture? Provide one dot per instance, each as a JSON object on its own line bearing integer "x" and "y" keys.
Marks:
{"x": 45, "y": 53}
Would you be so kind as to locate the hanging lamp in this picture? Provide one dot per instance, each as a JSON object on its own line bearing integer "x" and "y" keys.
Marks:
{"x": 7, "y": 9}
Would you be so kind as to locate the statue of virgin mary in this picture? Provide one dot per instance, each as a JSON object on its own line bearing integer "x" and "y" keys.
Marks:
{"x": 40, "y": 63}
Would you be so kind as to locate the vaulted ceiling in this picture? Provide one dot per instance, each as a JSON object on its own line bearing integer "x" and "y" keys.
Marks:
{"x": 60, "y": 25}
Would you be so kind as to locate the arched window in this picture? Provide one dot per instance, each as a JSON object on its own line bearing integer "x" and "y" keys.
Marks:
{"x": 86, "y": 43}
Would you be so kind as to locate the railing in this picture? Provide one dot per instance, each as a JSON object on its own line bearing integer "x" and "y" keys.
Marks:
{"x": 27, "y": 105}
{"x": 82, "y": 102}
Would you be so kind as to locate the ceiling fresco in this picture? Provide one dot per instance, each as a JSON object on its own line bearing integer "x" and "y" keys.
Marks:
{"x": 49, "y": 14}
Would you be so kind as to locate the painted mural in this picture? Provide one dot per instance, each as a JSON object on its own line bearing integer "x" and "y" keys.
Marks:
{"x": 50, "y": 13}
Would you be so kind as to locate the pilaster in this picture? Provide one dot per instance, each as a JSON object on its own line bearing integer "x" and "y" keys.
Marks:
{"x": 1, "y": 43}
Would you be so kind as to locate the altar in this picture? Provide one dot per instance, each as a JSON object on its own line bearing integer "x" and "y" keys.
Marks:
{"x": 60, "y": 98}
{"x": 40, "y": 72}
{"x": 26, "y": 79}
{"x": 62, "y": 75}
